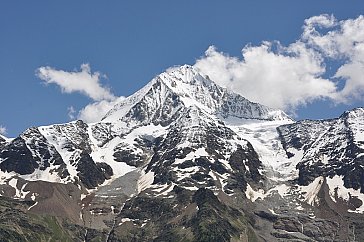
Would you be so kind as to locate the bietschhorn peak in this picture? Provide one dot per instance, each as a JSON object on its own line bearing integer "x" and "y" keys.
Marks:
{"x": 193, "y": 88}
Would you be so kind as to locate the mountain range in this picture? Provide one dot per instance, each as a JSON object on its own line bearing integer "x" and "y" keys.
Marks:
{"x": 184, "y": 159}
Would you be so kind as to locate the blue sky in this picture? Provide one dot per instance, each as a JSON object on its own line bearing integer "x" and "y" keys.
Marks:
{"x": 132, "y": 41}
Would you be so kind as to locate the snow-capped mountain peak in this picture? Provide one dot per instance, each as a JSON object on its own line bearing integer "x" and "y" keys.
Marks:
{"x": 185, "y": 74}
{"x": 182, "y": 87}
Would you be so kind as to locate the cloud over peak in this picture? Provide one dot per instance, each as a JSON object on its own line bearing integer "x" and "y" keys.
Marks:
{"x": 282, "y": 79}
{"x": 287, "y": 77}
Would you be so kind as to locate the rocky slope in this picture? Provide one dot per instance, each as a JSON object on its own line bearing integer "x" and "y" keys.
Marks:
{"x": 184, "y": 159}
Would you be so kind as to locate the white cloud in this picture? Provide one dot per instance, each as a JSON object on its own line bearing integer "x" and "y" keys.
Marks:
{"x": 323, "y": 20}
{"x": 290, "y": 76}
{"x": 83, "y": 81}
{"x": 333, "y": 38}
{"x": 71, "y": 112}
{"x": 353, "y": 73}
{"x": 283, "y": 79}
{"x": 94, "y": 112}
{"x": 3, "y": 130}
{"x": 344, "y": 41}
{"x": 312, "y": 36}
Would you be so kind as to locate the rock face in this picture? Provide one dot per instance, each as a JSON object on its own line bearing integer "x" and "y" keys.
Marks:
{"x": 330, "y": 148}
{"x": 29, "y": 152}
{"x": 184, "y": 159}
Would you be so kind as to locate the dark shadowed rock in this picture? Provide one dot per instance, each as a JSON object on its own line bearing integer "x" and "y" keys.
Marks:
{"x": 90, "y": 173}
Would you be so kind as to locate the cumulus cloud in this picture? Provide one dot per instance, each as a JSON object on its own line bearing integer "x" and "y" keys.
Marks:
{"x": 343, "y": 40}
{"x": 287, "y": 77}
{"x": 283, "y": 79}
{"x": 3, "y": 130}
{"x": 333, "y": 38}
{"x": 71, "y": 112}
{"x": 86, "y": 83}
{"x": 83, "y": 81}
{"x": 353, "y": 73}
{"x": 94, "y": 112}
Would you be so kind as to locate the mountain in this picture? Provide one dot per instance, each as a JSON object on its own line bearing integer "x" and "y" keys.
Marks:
{"x": 184, "y": 159}
{"x": 329, "y": 148}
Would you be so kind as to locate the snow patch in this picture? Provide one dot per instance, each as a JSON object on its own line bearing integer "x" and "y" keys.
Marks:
{"x": 282, "y": 190}
{"x": 124, "y": 220}
{"x": 338, "y": 190}
{"x": 265, "y": 139}
{"x": 253, "y": 195}
{"x": 310, "y": 192}
{"x": 105, "y": 154}
{"x": 145, "y": 180}
{"x": 35, "y": 204}
{"x": 192, "y": 155}
{"x": 49, "y": 175}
